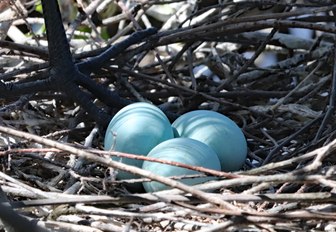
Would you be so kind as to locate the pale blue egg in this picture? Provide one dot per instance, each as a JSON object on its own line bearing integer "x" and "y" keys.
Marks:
{"x": 183, "y": 150}
{"x": 217, "y": 131}
{"x": 136, "y": 129}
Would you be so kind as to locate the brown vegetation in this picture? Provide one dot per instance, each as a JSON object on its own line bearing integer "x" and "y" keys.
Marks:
{"x": 53, "y": 168}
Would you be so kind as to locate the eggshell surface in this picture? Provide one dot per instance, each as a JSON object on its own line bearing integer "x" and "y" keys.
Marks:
{"x": 217, "y": 131}
{"x": 183, "y": 150}
{"x": 136, "y": 129}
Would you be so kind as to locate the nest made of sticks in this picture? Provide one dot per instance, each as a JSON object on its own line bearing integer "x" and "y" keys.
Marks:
{"x": 239, "y": 58}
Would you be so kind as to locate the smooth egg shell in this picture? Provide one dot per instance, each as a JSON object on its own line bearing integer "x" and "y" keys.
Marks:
{"x": 136, "y": 129}
{"x": 184, "y": 150}
{"x": 217, "y": 131}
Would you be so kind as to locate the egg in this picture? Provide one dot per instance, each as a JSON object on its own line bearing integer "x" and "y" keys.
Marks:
{"x": 217, "y": 131}
{"x": 136, "y": 129}
{"x": 183, "y": 150}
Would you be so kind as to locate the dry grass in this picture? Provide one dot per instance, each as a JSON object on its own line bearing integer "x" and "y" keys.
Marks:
{"x": 53, "y": 167}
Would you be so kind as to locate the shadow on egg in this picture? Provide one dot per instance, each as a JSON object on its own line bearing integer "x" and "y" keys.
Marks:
{"x": 136, "y": 129}
{"x": 183, "y": 150}
{"x": 217, "y": 131}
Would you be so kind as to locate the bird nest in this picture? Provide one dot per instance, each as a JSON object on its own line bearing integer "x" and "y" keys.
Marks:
{"x": 239, "y": 58}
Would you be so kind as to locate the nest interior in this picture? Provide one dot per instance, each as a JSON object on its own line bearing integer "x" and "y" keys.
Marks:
{"x": 267, "y": 65}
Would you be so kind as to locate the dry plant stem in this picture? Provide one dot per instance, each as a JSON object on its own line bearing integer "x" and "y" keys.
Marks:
{"x": 19, "y": 104}
{"x": 84, "y": 14}
{"x": 277, "y": 148}
{"x": 296, "y": 193}
{"x": 185, "y": 89}
{"x": 18, "y": 71}
{"x": 283, "y": 100}
{"x": 175, "y": 37}
{"x": 294, "y": 177}
{"x": 157, "y": 54}
{"x": 144, "y": 212}
{"x": 282, "y": 15}
{"x": 67, "y": 226}
{"x": 108, "y": 162}
{"x": 331, "y": 106}
{"x": 74, "y": 199}
{"x": 36, "y": 191}
{"x": 126, "y": 155}
{"x": 13, "y": 221}
{"x": 324, "y": 197}
{"x": 299, "y": 175}
{"x": 127, "y": 29}
{"x": 39, "y": 51}
{"x": 222, "y": 28}
{"x": 21, "y": 10}
{"x": 282, "y": 164}
{"x": 190, "y": 67}
{"x": 249, "y": 62}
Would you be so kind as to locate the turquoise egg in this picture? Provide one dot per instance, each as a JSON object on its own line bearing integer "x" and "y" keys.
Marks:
{"x": 217, "y": 131}
{"x": 136, "y": 129}
{"x": 183, "y": 150}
